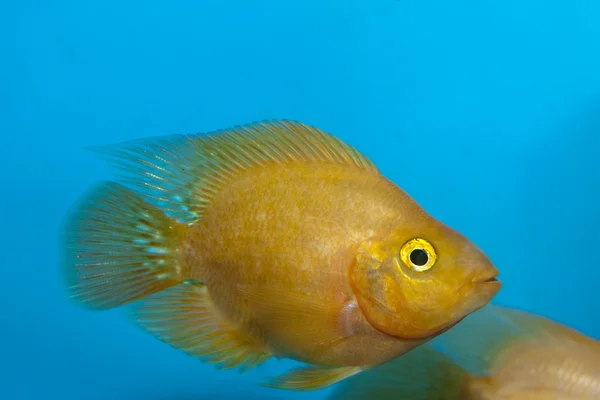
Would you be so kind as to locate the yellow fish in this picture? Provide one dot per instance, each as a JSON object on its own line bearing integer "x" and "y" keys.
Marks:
{"x": 271, "y": 239}
{"x": 497, "y": 353}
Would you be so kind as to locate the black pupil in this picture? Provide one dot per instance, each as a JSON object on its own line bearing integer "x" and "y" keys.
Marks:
{"x": 419, "y": 257}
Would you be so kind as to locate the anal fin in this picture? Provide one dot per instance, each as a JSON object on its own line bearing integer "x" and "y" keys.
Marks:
{"x": 311, "y": 378}
{"x": 185, "y": 318}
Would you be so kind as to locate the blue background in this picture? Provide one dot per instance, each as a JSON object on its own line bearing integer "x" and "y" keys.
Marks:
{"x": 487, "y": 112}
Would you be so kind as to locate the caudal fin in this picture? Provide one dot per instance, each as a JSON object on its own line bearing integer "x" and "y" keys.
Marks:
{"x": 118, "y": 248}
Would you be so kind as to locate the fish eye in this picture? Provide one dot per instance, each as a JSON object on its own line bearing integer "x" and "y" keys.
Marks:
{"x": 418, "y": 254}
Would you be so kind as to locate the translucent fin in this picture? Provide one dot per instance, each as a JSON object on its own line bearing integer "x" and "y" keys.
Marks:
{"x": 311, "y": 324}
{"x": 117, "y": 248}
{"x": 182, "y": 173}
{"x": 185, "y": 318}
{"x": 311, "y": 378}
{"x": 301, "y": 316}
{"x": 542, "y": 327}
{"x": 478, "y": 342}
{"x": 280, "y": 303}
{"x": 420, "y": 374}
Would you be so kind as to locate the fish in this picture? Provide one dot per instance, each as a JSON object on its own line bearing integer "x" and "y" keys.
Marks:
{"x": 269, "y": 240}
{"x": 495, "y": 353}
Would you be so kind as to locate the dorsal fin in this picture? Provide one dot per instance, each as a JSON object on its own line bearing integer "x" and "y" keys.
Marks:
{"x": 479, "y": 342}
{"x": 182, "y": 173}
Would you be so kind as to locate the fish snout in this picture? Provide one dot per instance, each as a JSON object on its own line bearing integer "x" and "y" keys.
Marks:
{"x": 486, "y": 284}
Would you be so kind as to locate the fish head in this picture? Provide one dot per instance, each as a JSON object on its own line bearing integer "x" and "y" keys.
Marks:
{"x": 420, "y": 279}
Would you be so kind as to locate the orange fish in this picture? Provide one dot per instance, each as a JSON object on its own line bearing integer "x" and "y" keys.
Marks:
{"x": 495, "y": 354}
{"x": 271, "y": 239}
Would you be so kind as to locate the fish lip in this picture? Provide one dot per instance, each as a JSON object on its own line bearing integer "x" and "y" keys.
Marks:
{"x": 487, "y": 279}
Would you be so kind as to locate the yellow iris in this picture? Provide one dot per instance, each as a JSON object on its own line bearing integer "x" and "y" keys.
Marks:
{"x": 418, "y": 254}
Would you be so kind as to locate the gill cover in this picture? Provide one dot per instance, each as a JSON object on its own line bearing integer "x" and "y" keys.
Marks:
{"x": 397, "y": 291}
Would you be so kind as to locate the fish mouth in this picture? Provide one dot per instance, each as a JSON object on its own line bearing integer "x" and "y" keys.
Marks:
{"x": 487, "y": 279}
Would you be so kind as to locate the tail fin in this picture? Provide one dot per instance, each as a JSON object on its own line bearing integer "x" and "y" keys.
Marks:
{"x": 118, "y": 249}
{"x": 421, "y": 374}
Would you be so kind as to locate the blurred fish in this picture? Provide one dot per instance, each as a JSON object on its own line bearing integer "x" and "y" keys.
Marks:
{"x": 271, "y": 239}
{"x": 494, "y": 354}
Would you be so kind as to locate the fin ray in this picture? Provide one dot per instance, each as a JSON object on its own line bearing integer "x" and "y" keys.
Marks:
{"x": 301, "y": 316}
{"x": 117, "y": 248}
{"x": 311, "y": 378}
{"x": 181, "y": 173}
{"x": 183, "y": 317}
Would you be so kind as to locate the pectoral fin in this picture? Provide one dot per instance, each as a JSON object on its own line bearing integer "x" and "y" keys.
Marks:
{"x": 306, "y": 320}
{"x": 311, "y": 324}
{"x": 311, "y": 378}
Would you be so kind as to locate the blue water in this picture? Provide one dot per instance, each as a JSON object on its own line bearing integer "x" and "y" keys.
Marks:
{"x": 487, "y": 112}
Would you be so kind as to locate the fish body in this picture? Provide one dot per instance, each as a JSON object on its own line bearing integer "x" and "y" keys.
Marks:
{"x": 271, "y": 240}
{"x": 496, "y": 353}
{"x": 535, "y": 358}
{"x": 301, "y": 273}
